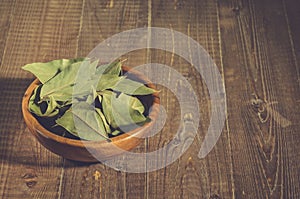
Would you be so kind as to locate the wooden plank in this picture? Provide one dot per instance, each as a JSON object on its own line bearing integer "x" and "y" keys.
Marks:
{"x": 257, "y": 155}
{"x": 99, "y": 21}
{"x": 292, "y": 14}
{"x": 47, "y": 30}
{"x": 262, "y": 91}
{"x": 5, "y": 19}
{"x": 189, "y": 176}
{"x": 38, "y": 31}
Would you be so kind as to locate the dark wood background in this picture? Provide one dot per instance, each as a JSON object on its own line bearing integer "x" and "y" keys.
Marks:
{"x": 255, "y": 44}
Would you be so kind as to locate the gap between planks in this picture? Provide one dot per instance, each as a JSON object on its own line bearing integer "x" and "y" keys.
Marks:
{"x": 148, "y": 58}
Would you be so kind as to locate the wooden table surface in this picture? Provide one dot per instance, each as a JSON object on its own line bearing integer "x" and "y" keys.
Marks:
{"x": 256, "y": 46}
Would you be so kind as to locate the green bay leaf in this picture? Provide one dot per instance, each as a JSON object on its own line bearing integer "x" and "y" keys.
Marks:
{"x": 87, "y": 70}
{"x": 105, "y": 124}
{"x": 75, "y": 80}
{"x": 88, "y": 122}
{"x": 61, "y": 86}
{"x": 47, "y": 108}
{"x": 92, "y": 96}
{"x": 46, "y": 71}
{"x": 122, "y": 110}
{"x": 132, "y": 87}
{"x": 116, "y": 132}
{"x": 113, "y": 68}
{"x": 67, "y": 122}
{"x": 108, "y": 81}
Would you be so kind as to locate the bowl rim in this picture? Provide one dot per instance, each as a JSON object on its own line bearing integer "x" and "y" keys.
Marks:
{"x": 32, "y": 121}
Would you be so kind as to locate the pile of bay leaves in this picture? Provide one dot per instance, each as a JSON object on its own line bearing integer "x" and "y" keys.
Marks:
{"x": 89, "y": 101}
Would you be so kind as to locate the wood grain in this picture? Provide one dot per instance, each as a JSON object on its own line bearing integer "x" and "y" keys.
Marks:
{"x": 262, "y": 107}
{"x": 33, "y": 33}
{"x": 256, "y": 47}
{"x": 189, "y": 176}
{"x": 292, "y": 14}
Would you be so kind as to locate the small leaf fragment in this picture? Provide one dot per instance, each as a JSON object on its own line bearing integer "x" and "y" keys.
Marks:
{"x": 116, "y": 132}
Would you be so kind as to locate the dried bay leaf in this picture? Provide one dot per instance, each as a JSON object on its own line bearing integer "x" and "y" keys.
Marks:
{"x": 67, "y": 122}
{"x": 46, "y": 71}
{"x": 60, "y": 86}
{"x": 92, "y": 96}
{"x": 131, "y": 87}
{"x": 106, "y": 125}
{"x": 75, "y": 80}
{"x": 108, "y": 81}
{"x": 48, "y": 108}
{"x": 122, "y": 109}
{"x": 113, "y": 68}
{"x": 86, "y": 70}
{"x": 87, "y": 121}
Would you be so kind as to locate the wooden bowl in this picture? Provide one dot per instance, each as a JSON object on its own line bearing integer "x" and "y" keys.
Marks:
{"x": 80, "y": 150}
